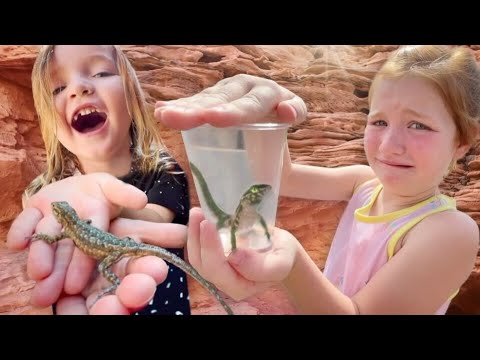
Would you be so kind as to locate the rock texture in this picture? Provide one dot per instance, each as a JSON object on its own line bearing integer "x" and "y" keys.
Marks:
{"x": 334, "y": 82}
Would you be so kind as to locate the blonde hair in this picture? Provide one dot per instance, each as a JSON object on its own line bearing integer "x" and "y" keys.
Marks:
{"x": 61, "y": 163}
{"x": 454, "y": 72}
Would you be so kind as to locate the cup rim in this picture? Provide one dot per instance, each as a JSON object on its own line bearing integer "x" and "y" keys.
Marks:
{"x": 263, "y": 126}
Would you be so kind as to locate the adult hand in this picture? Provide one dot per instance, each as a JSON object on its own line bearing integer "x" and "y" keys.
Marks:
{"x": 61, "y": 267}
{"x": 232, "y": 101}
{"x": 139, "y": 276}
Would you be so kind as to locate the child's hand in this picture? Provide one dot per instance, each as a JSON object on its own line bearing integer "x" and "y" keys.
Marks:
{"x": 59, "y": 268}
{"x": 236, "y": 100}
{"x": 246, "y": 271}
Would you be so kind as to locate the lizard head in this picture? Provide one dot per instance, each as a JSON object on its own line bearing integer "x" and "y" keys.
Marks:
{"x": 63, "y": 212}
{"x": 256, "y": 192}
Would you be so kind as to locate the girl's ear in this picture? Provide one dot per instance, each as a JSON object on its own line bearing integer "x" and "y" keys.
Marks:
{"x": 461, "y": 151}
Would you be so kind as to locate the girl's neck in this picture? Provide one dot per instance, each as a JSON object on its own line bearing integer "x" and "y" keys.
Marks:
{"x": 388, "y": 202}
{"x": 120, "y": 166}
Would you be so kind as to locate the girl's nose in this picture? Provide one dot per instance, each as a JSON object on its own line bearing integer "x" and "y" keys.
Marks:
{"x": 392, "y": 142}
{"x": 81, "y": 87}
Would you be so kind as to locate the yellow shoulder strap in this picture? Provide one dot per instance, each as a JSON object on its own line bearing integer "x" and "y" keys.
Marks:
{"x": 392, "y": 243}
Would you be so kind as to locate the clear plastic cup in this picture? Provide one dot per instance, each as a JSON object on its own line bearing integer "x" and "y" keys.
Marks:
{"x": 237, "y": 173}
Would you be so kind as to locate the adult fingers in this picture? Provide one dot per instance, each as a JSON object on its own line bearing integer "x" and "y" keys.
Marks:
{"x": 120, "y": 193}
{"x": 152, "y": 266}
{"x": 22, "y": 228}
{"x": 81, "y": 267}
{"x": 134, "y": 292}
{"x": 79, "y": 272}
{"x": 47, "y": 291}
{"x": 293, "y": 110}
{"x": 71, "y": 305}
{"x": 41, "y": 258}
{"x": 222, "y": 92}
{"x": 161, "y": 234}
{"x": 109, "y": 305}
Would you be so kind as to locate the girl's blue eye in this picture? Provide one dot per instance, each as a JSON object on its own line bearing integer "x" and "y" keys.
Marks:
{"x": 379, "y": 123}
{"x": 419, "y": 126}
{"x": 102, "y": 74}
{"x": 58, "y": 90}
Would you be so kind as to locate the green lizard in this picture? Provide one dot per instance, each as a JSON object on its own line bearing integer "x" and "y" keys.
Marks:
{"x": 246, "y": 213}
{"x": 109, "y": 249}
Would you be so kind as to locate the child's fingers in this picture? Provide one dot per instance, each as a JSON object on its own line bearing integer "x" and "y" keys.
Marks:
{"x": 213, "y": 259}
{"x": 269, "y": 266}
{"x": 193, "y": 244}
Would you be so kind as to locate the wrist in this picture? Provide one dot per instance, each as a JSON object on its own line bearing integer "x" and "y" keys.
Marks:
{"x": 297, "y": 255}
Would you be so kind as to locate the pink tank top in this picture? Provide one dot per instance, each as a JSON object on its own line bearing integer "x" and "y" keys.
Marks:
{"x": 364, "y": 243}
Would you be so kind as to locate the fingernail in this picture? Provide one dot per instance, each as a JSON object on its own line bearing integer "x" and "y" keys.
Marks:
{"x": 294, "y": 111}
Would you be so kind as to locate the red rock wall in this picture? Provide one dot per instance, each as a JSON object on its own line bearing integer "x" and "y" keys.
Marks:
{"x": 333, "y": 81}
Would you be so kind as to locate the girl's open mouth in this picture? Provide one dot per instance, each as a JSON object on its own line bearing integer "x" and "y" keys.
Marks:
{"x": 89, "y": 122}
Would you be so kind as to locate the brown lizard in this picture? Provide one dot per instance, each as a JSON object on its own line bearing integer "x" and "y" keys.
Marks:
{"x": 109, "y": 249}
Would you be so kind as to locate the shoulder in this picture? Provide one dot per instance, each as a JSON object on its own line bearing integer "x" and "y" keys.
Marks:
{"x": 363, "y": 174}
{"x": 451, "y": 235}
{"x": 451, "y": 223}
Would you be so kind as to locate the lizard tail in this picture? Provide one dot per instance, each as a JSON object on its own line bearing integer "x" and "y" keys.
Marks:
{"x": 164, "y": 254}
{"x": 219, "y": 213}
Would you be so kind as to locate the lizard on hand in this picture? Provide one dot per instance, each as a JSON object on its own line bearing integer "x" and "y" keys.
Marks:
{"x": 246, "y": 213}
{"x": 109, "y": 249}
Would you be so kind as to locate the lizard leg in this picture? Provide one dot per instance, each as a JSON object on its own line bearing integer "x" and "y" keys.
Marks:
{"x": 104, "y": 269}
{"x": 47, "y": 238}
{"x": 264, "y": 225}
{"x": 233, "y": 238}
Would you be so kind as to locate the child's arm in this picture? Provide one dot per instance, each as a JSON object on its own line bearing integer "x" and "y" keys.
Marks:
{"x": 320, "y": 183}
{"x": 437, "y": 257}
{"x": 168, "y": 198}
{"x": 151, "y": 212}
{"x": 435, "y": 260}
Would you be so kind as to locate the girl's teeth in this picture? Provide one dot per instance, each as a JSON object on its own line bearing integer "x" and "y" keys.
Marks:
{"x": 83, "y": 112}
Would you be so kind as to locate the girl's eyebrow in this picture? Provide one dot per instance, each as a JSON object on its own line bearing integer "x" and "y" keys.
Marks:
{"x": 374, "y": 113}
{"x": 416, "y": 113}
{"x": 94, "y": 58}
{"x": 100, "y": 58}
